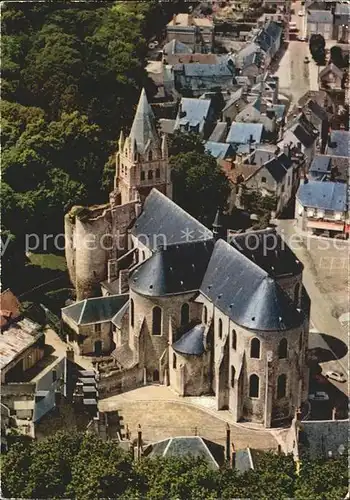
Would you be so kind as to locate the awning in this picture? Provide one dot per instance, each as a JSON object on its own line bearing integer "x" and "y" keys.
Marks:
{"x": 326, "y": 225}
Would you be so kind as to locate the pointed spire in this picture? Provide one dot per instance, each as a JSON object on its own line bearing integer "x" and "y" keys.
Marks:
{"x": 144, "y": 125}
{"x": 218, "y": 225}
{"x": 121, "y": 140}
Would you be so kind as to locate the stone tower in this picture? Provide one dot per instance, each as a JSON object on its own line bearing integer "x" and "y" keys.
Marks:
{"x": 142, "y": 160}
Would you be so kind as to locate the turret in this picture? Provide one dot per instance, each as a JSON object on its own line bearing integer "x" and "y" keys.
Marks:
{"x": 121, "y": 141}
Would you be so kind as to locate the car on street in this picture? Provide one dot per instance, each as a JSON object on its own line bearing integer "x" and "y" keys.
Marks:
{"x": 301, "y": 13}
{"x": 337, "y": 376}
{"x": 301, "y": 38}
{"x": 319, "y": 396}
{"x": 306, "y": 60}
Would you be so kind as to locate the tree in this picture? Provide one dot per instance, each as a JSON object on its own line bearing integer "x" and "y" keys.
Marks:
{"x": 336, "y": 56}
{"x": 317, "y": 46}
{"x": 199, "y": 184}
{"x": 185, "y": 142}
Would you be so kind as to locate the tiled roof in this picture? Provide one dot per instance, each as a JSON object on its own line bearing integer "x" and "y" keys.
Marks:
{"x": 162, "y": 222}
{"x": 246, "y": 293}
{"x": 269, "y": 251}
{"x": 176, "y": 47}
{"x": 95, "y": 310}
{"x": 193, "y": 446}
{"x": 191, "y": 342}
{"x": 323, "y": 195}
{"x": 218, "y": 149}
{"x": 240, "y": 133}
{"x": 339, "y": 143}
{"x": 174, "y": 269}
{"x": 144, "y": 127}
{"x": 320, "y": 16}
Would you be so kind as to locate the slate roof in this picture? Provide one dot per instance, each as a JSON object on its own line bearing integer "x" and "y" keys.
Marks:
{"x": 272, "y": 254}
{"x": 195, "y": 111}
{"x": 246, "y": 293}
{"x": 317, "y": 110}
{"x": 219, "y": 133}
{"x": 244, "y": 461}
{"x": 320, "y": 16}
{"x": 191, "y": 342}
{"x": 324, "y": 167}
{"x": 323, "y": 195}
{"x": 176, "y": 47}
{"x": 162, "y": 222}
{"x": 236, "y": 96}
{"x": 273, "y": 29}
{"x": 303, "y": 136}
{"x": 95, "y": 310}
{"x": 339, "y": 143}
{"x": 193, "y": 446}
{"x": 205, "y": 70}
{"x": 278, "y": 166}
{"x": 264, "y": 40}
{"x": 240, "y": 133}
{"x": 174, "y": 269}
{"x": 118, "y": 318}
{"x": 144, "y": 125}
{"x": 279, "y": 110}
{"x": 219, "y": 150}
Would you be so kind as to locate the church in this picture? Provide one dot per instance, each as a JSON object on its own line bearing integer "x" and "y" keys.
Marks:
{"x": 170, "y": 301}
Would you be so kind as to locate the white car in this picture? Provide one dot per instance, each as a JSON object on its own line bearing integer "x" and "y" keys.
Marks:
{"x": 301, "y": 38}
{"x": 337, "y": 376}
{"x": 301, "y": 13}
{"x": 319, "y": 396}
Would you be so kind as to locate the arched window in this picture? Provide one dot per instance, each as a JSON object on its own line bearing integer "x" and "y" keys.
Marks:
{"x": 143, "y": 175}
{"x": 132, "y": 313}
{"x": 150, "y": 156}
{"x": 205, "y": 314}
{"x": 283, "y": 349}
{"x": 296, "y": 294}
{"x": 157, "y": 321}
{"x": 233, "y": 373}
{"x": 158, "y": 173}
{"x": 301, "y": 341}
{"x": 255, "y": 348}
{"x": 234, "y": 340}
{"x": 281, "y": 386}
{"x": 150, "y": 174}
{"x": 254, "y": 386}
{"x": 155, "y": 376}
{"x": 185, "y": 313}
{"x": 174, "y": 361}
{"x": 220, "y": 328}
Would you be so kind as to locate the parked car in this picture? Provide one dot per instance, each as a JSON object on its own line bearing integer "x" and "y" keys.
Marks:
{"x": 337, "y": 376}
{"x": 301, "y": 38}
{"x": 319, "y": 396}
{"x": 301, "y": 13}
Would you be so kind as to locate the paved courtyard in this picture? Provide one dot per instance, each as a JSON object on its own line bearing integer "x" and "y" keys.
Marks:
{"x": 161, "y": 413}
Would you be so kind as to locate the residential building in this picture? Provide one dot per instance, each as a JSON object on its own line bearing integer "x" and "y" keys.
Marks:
{"x": 245, "y": 133}
{"x": 338, "y": 143}
{"x": 319, "y": 22}
{"x": 196, "y": 32}
{"x": 193, "y": 79}
{"x": 319, "y": 118}
{"x": 195, "y": 115}
{"x": 220, "y": 151}
{"x": 329, "y": 168}
{"x": 236, "y": 102}
{"x": 335, "y": 81}
{"x": 341, "y": 22}
{"x": 321, "y": 206}
{"x": 303, "y": 135}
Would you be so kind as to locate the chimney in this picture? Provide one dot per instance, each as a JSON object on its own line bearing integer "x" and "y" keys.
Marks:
{"x": 70, "y": 354}
{"x": 228, "y": 444}
{"x": 287, "y": 151}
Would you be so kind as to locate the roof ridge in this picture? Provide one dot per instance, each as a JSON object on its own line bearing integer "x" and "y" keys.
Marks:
{"x": 82, "y": 312}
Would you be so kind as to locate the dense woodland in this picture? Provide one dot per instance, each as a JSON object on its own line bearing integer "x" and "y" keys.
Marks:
{"x": 77, "y": 465}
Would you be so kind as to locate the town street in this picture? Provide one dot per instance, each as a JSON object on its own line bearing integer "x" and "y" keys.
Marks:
{"x": 295, "y": 76}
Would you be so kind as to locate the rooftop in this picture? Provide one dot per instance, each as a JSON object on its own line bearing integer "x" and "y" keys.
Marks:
{"x": 193, "y": 112}
{"x": 143, "y": 129}
{"x": 320, "y": 16}
{"x": 219, "y": 150}
{"x": 17, "y": 338}
{"x": 324, "y": 195}
{"x": 191, "y": 343}
{"x": 244, "y": 133}
{"x": 95, "y": 310}
{"x": 176, "y": 47}
{"x": 10, "y": 307}
{"x": 339, "y": 143}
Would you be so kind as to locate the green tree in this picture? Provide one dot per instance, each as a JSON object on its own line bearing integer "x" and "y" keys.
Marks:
{"x": 336, "y": 56}
{"x": 317, "y": 46}
{"x": 199, "y": 184}
{"x": 185, "y": 142}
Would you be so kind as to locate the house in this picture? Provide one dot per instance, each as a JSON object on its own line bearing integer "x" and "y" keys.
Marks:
{"x": 196, "y": 32}
{"x": 338, "y": 143}
{"x": 236, "y": 102}
{"x": 303, "y": 135}
{"x": 321, "y": 206}
{"x": 195, "y": 78}
{"x": 331, "y": 78}
{"x": 251, "y": 61}
{"x": 329, "y": 168}
{"x": 319, "y": 118}
{"x": 195, "y": 115}
{"x": 176, "y": 52}
{"x": 319, "y": 22}
{"x": 258, "y": 112}
{"x": 245, "y": 133}
{"x": 269, "y": 40}
{"x": 267, "y": 86}
{"x": 219, "y": 133}
{"x": 273, "y": 178}
{"x": 341, "y": 22}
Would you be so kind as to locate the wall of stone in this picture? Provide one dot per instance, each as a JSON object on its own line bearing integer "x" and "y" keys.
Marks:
{"x": 189, "y": 375}
{"x": 289, "y": 283}
{"x": 88, "y": 344}
{"x": 121, "y": 381}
